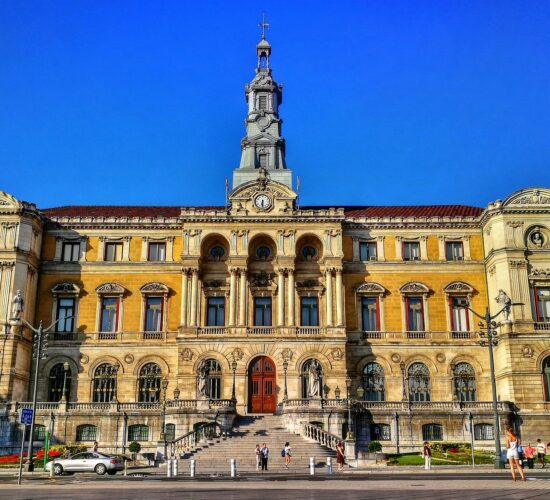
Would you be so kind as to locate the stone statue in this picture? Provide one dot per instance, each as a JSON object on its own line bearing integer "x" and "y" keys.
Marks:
{"x": 314, "y": 379}
{"x": 537, "y": 239}
{"x": 202, "y": 381}
{"x": 263, "y": 177}
{"x": 505, "y": 301}
{"x": 17, "y": 305}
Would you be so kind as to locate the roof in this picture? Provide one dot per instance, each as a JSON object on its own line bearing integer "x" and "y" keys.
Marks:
{"x": 361, "y": 211}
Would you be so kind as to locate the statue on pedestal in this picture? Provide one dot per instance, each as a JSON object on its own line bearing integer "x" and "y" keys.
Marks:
{"x": 17, "y": 306}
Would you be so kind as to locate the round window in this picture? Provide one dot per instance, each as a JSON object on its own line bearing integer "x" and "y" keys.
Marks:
{"x": 263, "y": 252}
{"x": 309, "y": 252}
{"x": 217, "y": 252}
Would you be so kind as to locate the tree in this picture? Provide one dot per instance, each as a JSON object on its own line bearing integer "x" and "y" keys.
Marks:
{"x": 134, "y": 448}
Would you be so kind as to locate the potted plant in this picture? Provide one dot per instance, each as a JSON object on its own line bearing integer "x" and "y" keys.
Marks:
{"x": 375, "y": 449}
{"x": 134, "y": 448}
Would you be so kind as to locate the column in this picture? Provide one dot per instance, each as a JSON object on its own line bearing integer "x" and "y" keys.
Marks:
{"x": 291, "y": 295}
{"x": 184, "y": 286}
{"x": 328, "y": 282}
{"x": 242, "y": 299}
{"x": 281, "y": 298}
{"x": 232, "y": 292}
{"x": 339, "y": 299}
{"x": 194, "y": 297}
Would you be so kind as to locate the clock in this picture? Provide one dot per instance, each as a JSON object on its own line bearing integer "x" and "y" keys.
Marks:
{"x": 263, "y": 202}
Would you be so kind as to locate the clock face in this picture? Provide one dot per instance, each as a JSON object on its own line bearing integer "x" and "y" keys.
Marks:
{"x": 263, "y": 202}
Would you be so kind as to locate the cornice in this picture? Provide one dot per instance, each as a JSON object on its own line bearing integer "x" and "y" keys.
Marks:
{"x": 412, "y": 223}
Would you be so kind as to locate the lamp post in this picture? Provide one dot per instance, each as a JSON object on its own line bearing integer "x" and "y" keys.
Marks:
{"x": 489, "y": 339}
{"x": 337, "y": 392}
{"x": 349, "y": 436}
{"x": 285, "y": 368}
{"x": 233, "y": 395}
{"x": 164, "y": 386}
{"x": 404, "y": 395}
{"x": 176, "y": 393}
{"x": 66, "y": 367}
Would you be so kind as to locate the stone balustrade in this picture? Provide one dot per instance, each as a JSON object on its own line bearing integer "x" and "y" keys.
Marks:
{"x": 320, "y": 436}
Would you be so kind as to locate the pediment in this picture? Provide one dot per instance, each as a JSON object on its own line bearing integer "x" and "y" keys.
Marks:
{"x": 529, "y": 197}
{"x": 263, "y": 138}
{"x": 110, "y": 288}
{"x": 280, "y": 198}
{"x": 8, "y": 202}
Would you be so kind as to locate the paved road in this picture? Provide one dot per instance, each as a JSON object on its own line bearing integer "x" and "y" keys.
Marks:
{"x": 417, "y": 486}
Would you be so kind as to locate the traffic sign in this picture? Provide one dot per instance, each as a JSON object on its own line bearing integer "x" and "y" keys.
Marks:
{"x": 25, "y": 417}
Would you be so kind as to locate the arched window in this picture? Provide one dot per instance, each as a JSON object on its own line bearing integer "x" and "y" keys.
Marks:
{"x": 419, "y": 382}
{"x": 104, "y": 383}
{"x": 432, "y": 432}
{"x": 312, "y": 379}
{"x": 86, "y": 432}
{"x": 170, "y": 432}
{"x": 149, "y": 383}
{"x": 57, "y": 380}
{"x": 210, "y": 379}
{"x": 464, "y": 380}
{"x": 546, "y": 378}
{"x": 373, "y": 382}
{"x": 138, "y": 432}
{"x": 484, "y": 432}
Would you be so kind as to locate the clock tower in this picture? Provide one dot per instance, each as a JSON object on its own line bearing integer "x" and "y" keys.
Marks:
{"x": 263, "y": 145}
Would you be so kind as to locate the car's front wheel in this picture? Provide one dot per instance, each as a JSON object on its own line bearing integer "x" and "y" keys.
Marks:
{"x": 58, "y": 469}
{"x": 100, "y": 469}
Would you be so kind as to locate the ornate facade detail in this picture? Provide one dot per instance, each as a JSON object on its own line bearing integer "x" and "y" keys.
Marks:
{"x": 237, "y": 354}
{"x": 414, "y": 287}
{"x": 370, "y": 287}
{"x": 155, "y": 287}
{"x": 187, "y": 354}
{"x": 458, "y": 287}
{"x": 66, "y": 288}
{"x": 527, "y": 351}
{"x": 538, "y": 238}
{"x": 129, "y": 358}
{"x": 518, "y": 264}
{"x": 113, "y": 288}
{"x": 84, "y": 359}
{"x": 261, "y": 279}
{"x": 440, "y": 357}
{"x": 396, "y": 358}
{"x": 287, "y": 354}
{"x": 337, "y": 354}
{"x": 540, "y": 273}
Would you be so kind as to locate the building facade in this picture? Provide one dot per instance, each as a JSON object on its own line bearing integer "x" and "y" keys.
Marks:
{"x": 348, "y": 318}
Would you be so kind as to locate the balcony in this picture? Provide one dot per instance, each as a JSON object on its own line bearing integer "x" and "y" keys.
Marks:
{"x": 542, "y": 326}
{"x": 211, "y": 330}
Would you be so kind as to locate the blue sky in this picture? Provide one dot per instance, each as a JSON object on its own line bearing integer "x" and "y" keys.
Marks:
{"x": 385, "y": 102}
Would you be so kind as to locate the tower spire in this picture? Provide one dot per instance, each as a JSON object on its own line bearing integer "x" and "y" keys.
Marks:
{"x": 264, "y": 25}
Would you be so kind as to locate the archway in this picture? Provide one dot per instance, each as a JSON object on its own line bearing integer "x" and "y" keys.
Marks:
{"x": 262, "y": 394}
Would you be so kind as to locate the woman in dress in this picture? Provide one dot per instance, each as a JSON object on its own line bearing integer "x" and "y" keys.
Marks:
{"x": 340, "y": 455}
{"x": 512, "y": 443}
{"x": 258, "y": 457}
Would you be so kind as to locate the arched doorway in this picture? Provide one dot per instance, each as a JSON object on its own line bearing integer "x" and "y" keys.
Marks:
{"x": 262, "y": 394}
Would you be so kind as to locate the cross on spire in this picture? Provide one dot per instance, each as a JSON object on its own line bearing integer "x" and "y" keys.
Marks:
{"x": 264, "y": 25}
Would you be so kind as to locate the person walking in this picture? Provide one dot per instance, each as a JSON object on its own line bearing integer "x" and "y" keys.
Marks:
{"x": 529, "y": 452}
{"x": 340, "y": 455}
{"x": 512, "y": 443}
{"x": 288, "y": 456}
{"x": 541, "y": 453}
{"x": 427, "y": 453}
{"x": 265, "y": 456}
{"x": 96, "y": 446}
{"x": 258, "y": 457}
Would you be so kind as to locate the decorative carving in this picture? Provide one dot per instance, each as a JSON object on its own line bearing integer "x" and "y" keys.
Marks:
{"x": 237, "y": 354}
{"x": 113, "y": 288}
{"x": 187, "y": 354}
{"x": 154, "y": 287}
{"x": 515, "y": 223}
{"x": 308, "y": 284}
{"x": 492, "y": 270}
{"x": 458, "y": 287}
{"x": 17, "y": 306}
{"x": 527, "y": 351}
{"x": 414, "y": 287}
{"x": 534, "y": 198}
{"x": 370, "y": 287}
{"x": 505, "y": 301}
{"x": 538, "y": 238}
{"x": 262, "y": 279}
{"x": 440, "y": 357}
{"x": 287, "y": 354}
{"x": 541, "y": 273}
{"x": 263, "y": 178}
{"x": 337, "y": 354}
{"x": 66, "y": 288}
{"x": 396, "y": 358}
{"x": 214, "y": 284}
{"x": 129, "y": 358}
{"x": 84, "y": 359}
{"x": 518, "y": 264}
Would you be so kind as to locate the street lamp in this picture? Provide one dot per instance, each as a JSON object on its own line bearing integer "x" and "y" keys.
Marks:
{"x": 285, "y": 368}
{"x": 489, "y": 339}
{"x": 176, "y": 393}
{"x": 349, "y": 436}
{"x": 337, "y": 392}
{"x": 233, "y": 395}
{"x": 66, "y": 367}
{"x": 404, "y": 395}
{"x": 164, "y": 386}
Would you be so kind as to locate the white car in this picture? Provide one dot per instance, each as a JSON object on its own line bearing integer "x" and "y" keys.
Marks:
{"x": 87, "y": 462}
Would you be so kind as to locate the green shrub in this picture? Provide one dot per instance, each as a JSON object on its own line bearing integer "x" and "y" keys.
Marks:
{"x": 375, "y": 446}
{"x": 134, "y": 447}
{"x": 444, "y": 446}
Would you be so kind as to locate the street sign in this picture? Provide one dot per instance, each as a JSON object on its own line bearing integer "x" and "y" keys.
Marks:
{"x": 25, "y": 417}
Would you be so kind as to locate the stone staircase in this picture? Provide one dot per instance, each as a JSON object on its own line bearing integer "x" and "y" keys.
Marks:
{"x": 215, "y": 454}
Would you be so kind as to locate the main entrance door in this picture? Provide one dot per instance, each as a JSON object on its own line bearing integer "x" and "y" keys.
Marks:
{"x": 262, "y": 393}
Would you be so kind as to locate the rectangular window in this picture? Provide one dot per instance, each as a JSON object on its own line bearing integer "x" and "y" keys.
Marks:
{"x": 367, "y": 250}
{"x": 215, "y": 311}
{"x": 454, "y": 250}
{"x": 170, "y": 432}
{"x": 415, "y": 314}
{"x": 71, "y": 252}
{"x": 432, "y": 432}
{"x": 411, "y": 250}
{"x": 153, "y": 314}
{"x": 138, "y": 433}
{"x": 380, "y": 432}
{"x": 262, "y": 102}
{"x": 542, "y": 304}
{"x": 109, "y": 314}
{"x": 263, "y": 160}
{"x": 157, "y": 252}
{"x": 310, "y": 311}
{"x": 483, "y": 432}
{"x": 65, "y": 311}
{"x": 113, "y": 252}
{"x": 369, "y": 314}
{"x": 459, "y": 314}
{"x": 262, "y": 311}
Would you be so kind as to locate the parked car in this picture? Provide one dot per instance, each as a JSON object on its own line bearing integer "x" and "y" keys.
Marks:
{"x": 87, "y": 462}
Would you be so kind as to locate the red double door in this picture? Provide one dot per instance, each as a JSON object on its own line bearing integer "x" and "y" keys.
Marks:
{"x": 262, "y": 391}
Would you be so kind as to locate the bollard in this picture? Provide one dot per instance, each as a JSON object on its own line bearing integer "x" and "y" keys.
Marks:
{"x": 329, "y": 465}
{"x": 125, "y": 466}
{"x": 169, "y": 468}
{"x": 311, "y": 466}
{"x": 192, "y": 468}
{"x": 51, "y": 468}
{"x": 174, "y": 467}
{"x": 233, "y": 467}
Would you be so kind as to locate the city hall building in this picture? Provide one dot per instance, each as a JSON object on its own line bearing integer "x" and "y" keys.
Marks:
{"x": 344, "y": 318}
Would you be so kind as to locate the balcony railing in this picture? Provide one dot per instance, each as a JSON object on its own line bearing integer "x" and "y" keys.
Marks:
{"x": 211, "y": 330}
{"x": 417, "y": 335}
{"x": 372, "y": 335}
{"x": 260, "y": 330}
{"x": 309, "y": 330}
{"x": 461, "y": 335}
{"x": 542, "y": 326}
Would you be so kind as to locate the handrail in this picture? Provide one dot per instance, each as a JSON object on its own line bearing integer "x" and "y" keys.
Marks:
{"x": 192, "y": 438}
{"x": 322, "y": 437}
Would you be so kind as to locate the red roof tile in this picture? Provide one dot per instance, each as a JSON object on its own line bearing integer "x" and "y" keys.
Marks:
{"x": 414, "y": 211}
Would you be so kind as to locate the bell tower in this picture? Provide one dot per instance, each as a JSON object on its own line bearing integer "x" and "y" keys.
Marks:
{"x": 263, "y": 145}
